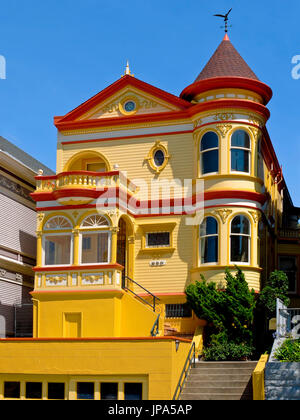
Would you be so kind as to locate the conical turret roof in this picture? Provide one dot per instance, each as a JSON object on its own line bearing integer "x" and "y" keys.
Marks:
{"x": 226, "y": 62}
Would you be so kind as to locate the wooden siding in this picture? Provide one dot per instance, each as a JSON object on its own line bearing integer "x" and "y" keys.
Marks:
{"x": 17, "y": 226}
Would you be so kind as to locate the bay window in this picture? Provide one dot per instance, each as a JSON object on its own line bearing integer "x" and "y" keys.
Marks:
{"x": 209, "y": 241}
{"x": 209, "y": 153}
{"x": 240, "y": 239}
{"x": 240, "y": 152}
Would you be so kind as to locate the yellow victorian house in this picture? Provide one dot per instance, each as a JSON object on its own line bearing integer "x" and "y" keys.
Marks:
{"x": 151, "y": 192}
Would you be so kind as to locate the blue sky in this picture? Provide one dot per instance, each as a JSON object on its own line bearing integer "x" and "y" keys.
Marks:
{"x": 60, "y": 53}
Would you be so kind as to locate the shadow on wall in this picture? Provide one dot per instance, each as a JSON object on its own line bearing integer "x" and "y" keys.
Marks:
{"x": 27, "y": 243}
{"x": 7, "y": 316}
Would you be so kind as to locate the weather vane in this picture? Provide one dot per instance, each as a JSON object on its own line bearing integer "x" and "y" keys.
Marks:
{"x": 225, "y": 17}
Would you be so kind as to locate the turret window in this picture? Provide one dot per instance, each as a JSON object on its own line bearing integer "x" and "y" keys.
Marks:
{"x": 240, "y": 151}
{"x": 240, "y": 240}
{"x": 209, "y": 153}
{"x": 209, "y": 239}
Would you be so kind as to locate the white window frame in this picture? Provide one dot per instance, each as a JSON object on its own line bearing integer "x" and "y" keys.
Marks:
{"x": 96, "y": 231}
{"x": 249, "y": 150}
{"x": 209, "y": 150}
{"x": 44, "y": 247}
{"x": 241, "y": 234}
{"x": 209, "y": 236}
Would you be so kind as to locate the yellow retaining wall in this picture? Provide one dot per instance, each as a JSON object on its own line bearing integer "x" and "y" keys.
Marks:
{"x": 258, "y": 379}
{"x": 154, "y": 361}
{"x": 99, "y": 314}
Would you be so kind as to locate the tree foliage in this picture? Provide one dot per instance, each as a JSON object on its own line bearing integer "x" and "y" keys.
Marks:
{"x": 276, "y": 287}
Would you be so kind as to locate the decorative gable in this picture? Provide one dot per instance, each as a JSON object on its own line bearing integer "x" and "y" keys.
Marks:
{"x": 127, "y": 103}
{"x": 127, "y": 97}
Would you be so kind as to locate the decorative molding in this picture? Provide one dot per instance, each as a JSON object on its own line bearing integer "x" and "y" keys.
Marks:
{"x": 150, "y": 158}
{"x": 56, "y": 280}
{"x": 198, "y": 123}
{"x": 92, "y": 279}
{"x": 256, "y": 216}
{"x": 224, "y": 214}
{"x": 256, "y": 133}
{"x": 223, "y": 129}
{"x": 15, "y": 188}
{"x": 224, "y": 116}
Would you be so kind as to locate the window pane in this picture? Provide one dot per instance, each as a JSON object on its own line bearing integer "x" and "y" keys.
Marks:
{"x": 210, "y": 140}
{"x": 109, "y": 391}
{"x": 11, "y": 389}
{"x": 240, "y": 224}
{"x": 240, "y": 139}
{"x": 34, "y": 390}
{"x": 95, "y": 248}
{"x": 85, "y": 390}
{"x": 178, "y": 310}
{"x": 158, "y": 239}
{"x": 56, "y": 391}
{"x": 239, "y": 248}
{"x": 209, "y": 227}
{"x": 209, "y": 249}
{"x": 210, "y": 161}
{"x": 159, "y": 158}
{"x": 133, "y": 392}
{"x": 57, "y": 250}
{"x": 239, "y": 160}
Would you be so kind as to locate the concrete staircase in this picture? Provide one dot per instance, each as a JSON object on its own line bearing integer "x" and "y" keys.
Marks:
{"x": 219, "y": 381}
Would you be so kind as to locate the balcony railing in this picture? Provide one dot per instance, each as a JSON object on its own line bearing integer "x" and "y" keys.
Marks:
{"x": 289, "y": 233}
{"x": 83, "y": 179}
{"x": 79, "y": 278}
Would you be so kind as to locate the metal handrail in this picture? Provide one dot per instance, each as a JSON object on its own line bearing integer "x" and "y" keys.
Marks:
{"x": 155, "y": 329}
{"x": 155, "y": 298}
{"x": 191, "y": 358}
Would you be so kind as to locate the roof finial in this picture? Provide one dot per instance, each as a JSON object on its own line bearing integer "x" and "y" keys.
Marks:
{"x": 127, "y": 70}
{"x": 225, "y": 17}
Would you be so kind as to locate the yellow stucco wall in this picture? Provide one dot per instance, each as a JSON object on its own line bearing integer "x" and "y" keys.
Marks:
{"x": 155, "y": 362}
{"x": 99, "y": 314}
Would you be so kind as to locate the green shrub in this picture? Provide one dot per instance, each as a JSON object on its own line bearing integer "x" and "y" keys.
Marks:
{"x": 289, "y": 351}
{"x": 229, "y": 314}
{"x": 229, "y": 351}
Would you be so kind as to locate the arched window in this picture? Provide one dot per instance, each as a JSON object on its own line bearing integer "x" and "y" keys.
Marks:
{"x": 240, "y": 240}
{"x": 209, "y": 153}
{"x": 240, "y": 151}
{"x": 58, "y": 223}
{"x": 95, "y": 240}
{"x": 57, "y": 242}
{"x": 95, "y": 221}
{"x": 209, "y": 240}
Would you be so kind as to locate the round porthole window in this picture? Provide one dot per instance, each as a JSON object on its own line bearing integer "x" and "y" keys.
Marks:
{"x": 159, "y": 158}
{"x": 130, "y": 106}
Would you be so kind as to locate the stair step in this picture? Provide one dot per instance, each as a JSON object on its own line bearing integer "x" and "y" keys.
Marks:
{"x": 215, "y": 397}
{"x": 217, "y": 389}
{"x": 225, "y": 365}
{"x": 218, "y": 384}
{"x": 216, "y": 371}
{"x": 213, "y": 378}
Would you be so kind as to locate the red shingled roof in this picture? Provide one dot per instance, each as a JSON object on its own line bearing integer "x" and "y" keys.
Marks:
{"x": 226, "y": 61}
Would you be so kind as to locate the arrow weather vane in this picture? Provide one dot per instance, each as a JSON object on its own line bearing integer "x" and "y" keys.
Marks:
{"x": 225, "y": 17}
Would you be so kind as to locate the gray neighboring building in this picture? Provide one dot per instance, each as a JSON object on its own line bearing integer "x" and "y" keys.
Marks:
{"x": 17, "y": 238}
